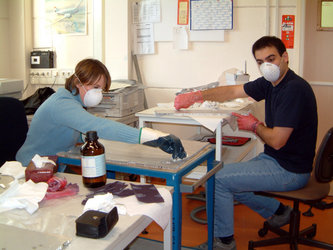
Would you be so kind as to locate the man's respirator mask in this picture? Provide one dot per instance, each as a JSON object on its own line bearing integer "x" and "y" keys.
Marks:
{"x": 270, "y": 71}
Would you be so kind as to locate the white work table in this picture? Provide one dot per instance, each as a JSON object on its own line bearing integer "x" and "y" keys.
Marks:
{"x": 149, "y": 115}
{"x": 53, "y": 225}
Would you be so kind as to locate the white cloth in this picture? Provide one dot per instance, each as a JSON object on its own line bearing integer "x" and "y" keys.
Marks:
{"x": 41, "y": 161}
{"x": 103, "y": 203}
{"x": 13, "y": 168}
{"x": 210, "y": 122}
{"x": 23, "y": 196}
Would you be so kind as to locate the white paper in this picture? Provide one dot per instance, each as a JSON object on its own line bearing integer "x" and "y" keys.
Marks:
{"x": 118, "y": 85}
{"x": 144, "y": 39}
{"x": 146, "y": 11}
{"x": 197, "y": 173}
{"x": 180, "y": 38}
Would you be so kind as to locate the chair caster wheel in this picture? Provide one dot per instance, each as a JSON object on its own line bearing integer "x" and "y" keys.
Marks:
{"x": 312, "y": 233}
{"x": 250, "y": 246}
{"x": 262, "y": 232}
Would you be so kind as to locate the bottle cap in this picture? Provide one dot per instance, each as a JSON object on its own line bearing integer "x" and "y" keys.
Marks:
{"x": 91, "y": 135}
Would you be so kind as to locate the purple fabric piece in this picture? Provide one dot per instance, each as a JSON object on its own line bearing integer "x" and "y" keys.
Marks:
{"x": 147, "y": 193}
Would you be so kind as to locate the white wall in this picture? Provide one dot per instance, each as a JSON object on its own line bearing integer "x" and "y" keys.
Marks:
{"x": 15, "y": 38}
{"x": 117, "y": 40}
{"x": 4, "y": 39}
{"x": 12, "y": 39}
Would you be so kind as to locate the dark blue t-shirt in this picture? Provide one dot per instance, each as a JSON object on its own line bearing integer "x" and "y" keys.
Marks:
{"x": 291, "y": 103}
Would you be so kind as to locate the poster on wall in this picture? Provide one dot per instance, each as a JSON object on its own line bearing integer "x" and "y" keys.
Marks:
{"x": 183, "y": 11}
{"x": 288, "y": 30}
{"x": 67, "y": 17}
{"x": 211, "y": 14}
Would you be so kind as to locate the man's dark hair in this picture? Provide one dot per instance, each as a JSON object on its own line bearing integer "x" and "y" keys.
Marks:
{"x": 269, "y": 41}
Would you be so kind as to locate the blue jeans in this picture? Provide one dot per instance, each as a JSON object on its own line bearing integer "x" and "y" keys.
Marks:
{"x": 238, "y": 181}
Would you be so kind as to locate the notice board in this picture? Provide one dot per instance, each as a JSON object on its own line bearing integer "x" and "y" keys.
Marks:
{"x": 163, "y": 31}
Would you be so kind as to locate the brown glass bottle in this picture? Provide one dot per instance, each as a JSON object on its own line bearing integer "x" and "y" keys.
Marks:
{"x": 93, "y": 161}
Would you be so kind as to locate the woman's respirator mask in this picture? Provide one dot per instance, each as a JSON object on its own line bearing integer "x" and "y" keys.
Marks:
{"x": 270, "y": 71}
{"x": 93, "y": 97}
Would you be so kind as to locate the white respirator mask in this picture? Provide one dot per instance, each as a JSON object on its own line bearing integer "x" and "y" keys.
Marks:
{"x": 93, "y": 97}
{"x": 270, "y": 71}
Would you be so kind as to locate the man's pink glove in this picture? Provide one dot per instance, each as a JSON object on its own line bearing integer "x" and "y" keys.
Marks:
{"x": 187, "y": 99}
{"x": 247, "y": 122}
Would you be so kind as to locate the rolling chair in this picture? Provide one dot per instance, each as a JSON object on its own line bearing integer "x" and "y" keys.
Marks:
{"x": 13, "y": 128}
{"x": 317, "y": 189}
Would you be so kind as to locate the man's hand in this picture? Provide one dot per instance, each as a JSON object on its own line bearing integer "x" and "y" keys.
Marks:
{"x": 187, "y": 99}
{"x": 247, "y": 122}
{"x": 166, "y": 142}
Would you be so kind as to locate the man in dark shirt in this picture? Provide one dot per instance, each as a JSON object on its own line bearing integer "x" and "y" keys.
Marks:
{"x": 289, "y": 134}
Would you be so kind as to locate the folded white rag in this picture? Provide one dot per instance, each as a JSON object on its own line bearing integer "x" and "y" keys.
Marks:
{"x": 13, "y": 168}
{"x": 104, "y": 203}
{"x": 23, "y": 196}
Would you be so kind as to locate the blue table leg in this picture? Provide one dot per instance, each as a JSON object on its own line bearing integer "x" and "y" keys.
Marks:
{"x": 111, "y": 174}
{"x": 210, "y": 203}
{"x": 176, "y": 212}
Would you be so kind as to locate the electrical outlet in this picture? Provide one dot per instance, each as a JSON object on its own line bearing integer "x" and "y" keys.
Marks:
{"x": 65, "y": 73}
{"x": 54, "y": 72}
{"x": 43, "y": 76}
{"x": 49, "y": 76}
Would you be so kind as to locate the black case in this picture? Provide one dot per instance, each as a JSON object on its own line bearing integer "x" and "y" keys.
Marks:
{"x": 42, "y": 59}
{"x": 96, "y": 224}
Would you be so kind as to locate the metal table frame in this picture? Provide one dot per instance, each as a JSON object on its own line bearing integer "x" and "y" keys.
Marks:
{"x": 174, "y": 179}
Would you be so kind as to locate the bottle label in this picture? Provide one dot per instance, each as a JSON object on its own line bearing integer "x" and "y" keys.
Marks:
{"x": 93, "y": 166}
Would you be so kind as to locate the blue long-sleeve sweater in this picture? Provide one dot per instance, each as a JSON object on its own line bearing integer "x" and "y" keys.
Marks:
{"x": 58, "y": 123}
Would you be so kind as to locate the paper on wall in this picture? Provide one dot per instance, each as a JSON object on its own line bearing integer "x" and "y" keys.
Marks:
{"x": 180, "y": 38}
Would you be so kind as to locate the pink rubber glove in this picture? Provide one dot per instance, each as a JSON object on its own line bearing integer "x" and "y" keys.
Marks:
{"x": 247, "y": 122}
{"x": 187, "y": 99}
